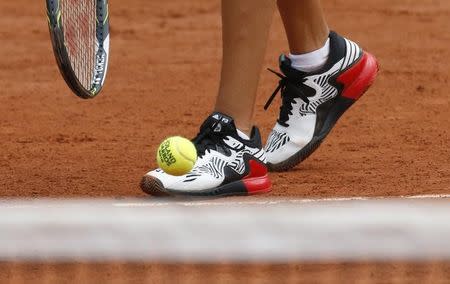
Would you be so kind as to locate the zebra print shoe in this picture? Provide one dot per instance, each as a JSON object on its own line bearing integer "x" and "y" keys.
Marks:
{"x": 313, "y": 102}
{"x": 227, "y": 164}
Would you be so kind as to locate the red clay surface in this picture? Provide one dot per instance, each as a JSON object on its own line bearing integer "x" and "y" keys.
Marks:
{"x": 433, "y": 272}
{"x": 163, "y": 80}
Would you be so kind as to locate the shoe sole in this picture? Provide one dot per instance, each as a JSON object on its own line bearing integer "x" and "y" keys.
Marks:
{"x": 255, "y": 182}
{"x": 367, "y": 69}
{"x": 251, "y": 186}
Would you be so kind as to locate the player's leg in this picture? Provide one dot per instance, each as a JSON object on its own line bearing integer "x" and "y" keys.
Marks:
{"x": 323, "y": 75}
{"x": 245, "y": 32}
{"x": 231, "y": 159}
{"x": 305, "y": 25}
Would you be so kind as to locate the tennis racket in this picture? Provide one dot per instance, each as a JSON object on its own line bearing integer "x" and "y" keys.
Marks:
{"x": 79, "y": 31}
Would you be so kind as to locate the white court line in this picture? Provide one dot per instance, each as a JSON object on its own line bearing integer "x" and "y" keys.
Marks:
{"x": 279, "y": 201}
{"x": 151, "y": 203}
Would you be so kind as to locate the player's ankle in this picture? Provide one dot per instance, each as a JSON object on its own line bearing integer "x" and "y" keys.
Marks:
{"x": 243, "y": 134}
{"x": 311, "y": 61}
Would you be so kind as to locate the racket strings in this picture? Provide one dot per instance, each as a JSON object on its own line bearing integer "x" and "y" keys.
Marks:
{"x": 79, "y": 24}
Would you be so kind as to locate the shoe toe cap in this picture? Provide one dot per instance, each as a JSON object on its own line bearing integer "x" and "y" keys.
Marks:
{"x": 283, "y": 153}
{"x": 153, "y": 186}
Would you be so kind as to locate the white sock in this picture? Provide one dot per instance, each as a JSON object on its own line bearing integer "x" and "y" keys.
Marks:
{"x": 242, "y": 135}
{"x": 312, "y": 61}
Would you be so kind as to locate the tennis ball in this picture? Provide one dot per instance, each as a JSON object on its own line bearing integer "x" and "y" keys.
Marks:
{"x": 176, "y": 156}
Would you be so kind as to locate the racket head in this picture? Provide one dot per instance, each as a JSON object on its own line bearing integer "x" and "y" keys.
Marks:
{"x": 79, "y": 31}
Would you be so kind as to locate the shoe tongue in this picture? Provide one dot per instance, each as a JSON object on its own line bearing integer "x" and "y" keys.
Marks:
{"x": 220, "y": 123}
{"x": 288, "y": 71}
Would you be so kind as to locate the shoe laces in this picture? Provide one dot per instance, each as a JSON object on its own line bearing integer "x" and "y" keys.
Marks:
{"x": 207, "y": 139}
{"x": 289, "y": 90}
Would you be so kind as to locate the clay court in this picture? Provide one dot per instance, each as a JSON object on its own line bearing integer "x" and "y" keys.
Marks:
{"x": 162, "y": 81}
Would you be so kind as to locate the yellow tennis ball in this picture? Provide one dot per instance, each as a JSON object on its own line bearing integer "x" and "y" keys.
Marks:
{"x": 176, "y": 156}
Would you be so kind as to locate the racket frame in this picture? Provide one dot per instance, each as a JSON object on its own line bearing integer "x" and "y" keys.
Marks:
{"x": 54, "y": 17}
